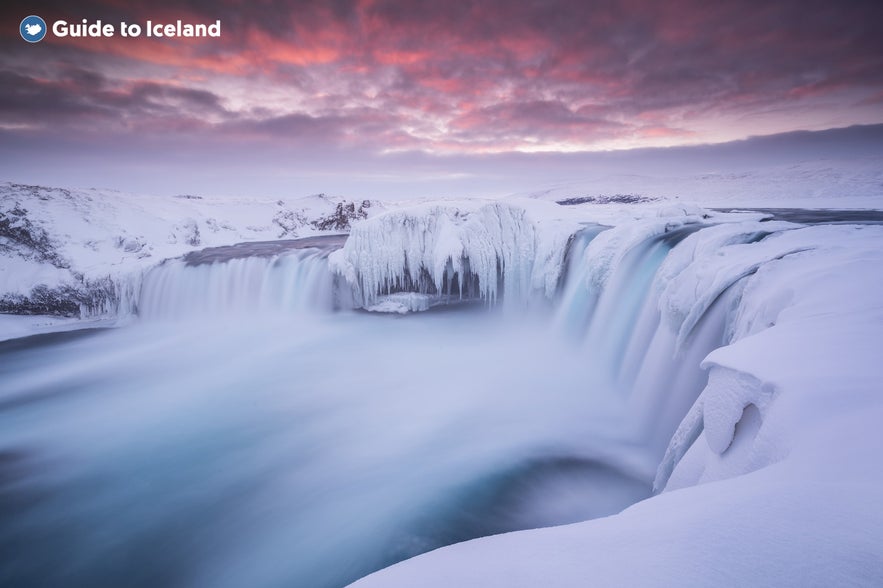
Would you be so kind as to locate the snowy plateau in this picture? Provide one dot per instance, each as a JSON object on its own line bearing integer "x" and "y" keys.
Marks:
{"x": 702, "y": 352}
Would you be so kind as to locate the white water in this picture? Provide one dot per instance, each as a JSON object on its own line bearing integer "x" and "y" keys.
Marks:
{"x": 297, "y": 282}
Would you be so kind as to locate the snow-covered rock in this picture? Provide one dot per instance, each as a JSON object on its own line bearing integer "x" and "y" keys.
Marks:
{"x": 402, "y": 303}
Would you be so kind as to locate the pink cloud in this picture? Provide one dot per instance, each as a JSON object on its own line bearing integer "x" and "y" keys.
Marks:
{"x": 469, "y": 75}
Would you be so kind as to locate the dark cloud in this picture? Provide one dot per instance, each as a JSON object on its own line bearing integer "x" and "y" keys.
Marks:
{"x": 81, "y": 98}
{"x": 426, "y": 74}
{"x": 538, "y": 120}
{"x": 26, "y": 100}
{"x": 153, "y": 95}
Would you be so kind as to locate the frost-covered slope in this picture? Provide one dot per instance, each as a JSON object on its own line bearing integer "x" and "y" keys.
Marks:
{"x": 770, "y": 478}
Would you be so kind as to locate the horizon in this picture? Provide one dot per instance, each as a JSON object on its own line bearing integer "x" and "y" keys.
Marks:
{"x": 366, "y": 96}
{"x": 492, "y": 176}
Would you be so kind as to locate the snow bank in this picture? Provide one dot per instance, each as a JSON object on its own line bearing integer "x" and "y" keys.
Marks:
{"x": 812, "y": 307}
{"x": 770, "y": 479}
{"x": 700, "y": 269}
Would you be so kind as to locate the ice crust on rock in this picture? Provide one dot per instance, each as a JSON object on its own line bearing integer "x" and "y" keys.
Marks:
{"x": 696, "y": 273}
{"x": 732, "y": 398}
{"x": 488, "y": 251}
{"x": 401, "y": 303}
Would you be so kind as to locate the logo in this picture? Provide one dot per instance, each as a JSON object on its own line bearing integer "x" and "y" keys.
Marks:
{"x": 32, "y": 29}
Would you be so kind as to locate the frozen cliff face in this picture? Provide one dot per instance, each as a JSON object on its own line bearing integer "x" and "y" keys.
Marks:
{"x": 451, "y": 252}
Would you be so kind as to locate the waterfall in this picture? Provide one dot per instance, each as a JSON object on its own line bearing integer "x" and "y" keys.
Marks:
{"x": 296, "y": 281}
{"x": 649, "y": 301}
{"x": 633, "y": 297}
{"x": 381, "y": 437}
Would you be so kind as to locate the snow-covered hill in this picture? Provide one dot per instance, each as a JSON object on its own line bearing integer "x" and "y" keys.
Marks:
{"x": 82, "y": 252}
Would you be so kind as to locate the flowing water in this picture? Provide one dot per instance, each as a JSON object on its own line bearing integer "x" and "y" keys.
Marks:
{"x": 249, "y": 430}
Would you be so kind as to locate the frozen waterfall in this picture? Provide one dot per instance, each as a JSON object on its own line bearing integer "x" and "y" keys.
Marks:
{"x": 450, "y": 253}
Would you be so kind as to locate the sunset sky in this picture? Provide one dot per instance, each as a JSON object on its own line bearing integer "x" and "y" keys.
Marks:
{"x": 298, "y": 89}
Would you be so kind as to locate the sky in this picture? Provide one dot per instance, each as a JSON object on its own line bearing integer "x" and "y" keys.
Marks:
{"x": 302, "y": 94}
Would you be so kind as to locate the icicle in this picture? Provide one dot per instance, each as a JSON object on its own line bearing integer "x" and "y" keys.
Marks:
{"x": 496, "y": 246}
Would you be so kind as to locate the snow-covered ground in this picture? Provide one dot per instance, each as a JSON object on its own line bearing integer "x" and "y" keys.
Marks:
{"x": 84, "y": 252}
{"x": 830, "y": 182}
{"x": 763, "y": 458}
{"x": 770, "y": 480}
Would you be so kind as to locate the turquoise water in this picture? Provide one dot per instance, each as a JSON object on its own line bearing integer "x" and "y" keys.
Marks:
{"x": 292, "y": 451}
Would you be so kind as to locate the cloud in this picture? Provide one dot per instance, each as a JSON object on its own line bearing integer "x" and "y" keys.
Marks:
{"x": 457, "y": 76}
{"x": 79, "y": 98}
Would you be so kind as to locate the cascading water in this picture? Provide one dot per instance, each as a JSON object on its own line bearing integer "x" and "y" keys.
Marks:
{"x": 621, "y": 299}
{"x": 270, "y": 442}
{"x": 613, "y": 307}
{"x": 224, "y": 283}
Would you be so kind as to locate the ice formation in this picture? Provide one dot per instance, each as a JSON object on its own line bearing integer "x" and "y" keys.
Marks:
{"x": 402, "y": 303}
{"x": 454, "y": 251}
{"x": 798, "y": 275}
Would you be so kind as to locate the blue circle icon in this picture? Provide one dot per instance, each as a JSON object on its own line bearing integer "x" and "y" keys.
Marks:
{"x": 32, "y": 29}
